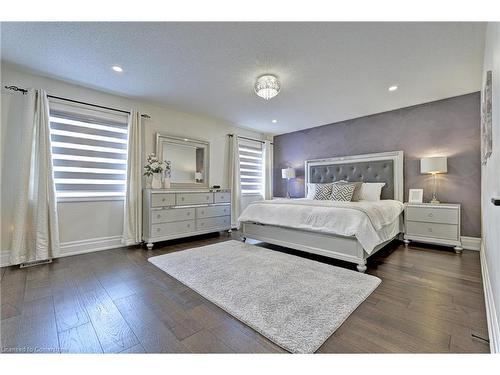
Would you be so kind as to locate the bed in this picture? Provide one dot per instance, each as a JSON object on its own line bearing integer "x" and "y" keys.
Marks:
{"x": 349, "y": 231}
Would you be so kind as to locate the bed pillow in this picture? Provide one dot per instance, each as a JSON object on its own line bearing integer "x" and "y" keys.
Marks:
{"x": 342, "y": 192}
{"x": 322, "y": 192}
{"x": 371, "y": 191}
{"x": 357, "y": 188}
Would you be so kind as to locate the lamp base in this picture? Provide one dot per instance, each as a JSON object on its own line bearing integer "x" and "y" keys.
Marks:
{"x": 434, "y": 201}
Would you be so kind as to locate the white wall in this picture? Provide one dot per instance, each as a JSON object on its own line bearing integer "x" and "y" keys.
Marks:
{"x": 96, "y": 225}
{"x": 491, "y": 188}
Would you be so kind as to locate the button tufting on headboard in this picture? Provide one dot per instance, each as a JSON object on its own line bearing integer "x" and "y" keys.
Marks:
{"x": 366, "y": 171}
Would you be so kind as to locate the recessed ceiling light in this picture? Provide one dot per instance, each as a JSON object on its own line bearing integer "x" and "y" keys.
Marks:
{"x": 274, "y": 121}
{"x": 117, "y": 68}
{"x": 393, "y": 88}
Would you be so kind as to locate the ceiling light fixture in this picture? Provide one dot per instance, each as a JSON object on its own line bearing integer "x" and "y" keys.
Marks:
{"x": 393, "y": 88}
{"x": 117, "y": 68}
{"x": 274, "y": 121}
{"x": 267, "y": 86}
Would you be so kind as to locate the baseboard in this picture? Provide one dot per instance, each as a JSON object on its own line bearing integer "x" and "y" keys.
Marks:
{"x": 491, "y": 315}
{"x": 5, "y": 258}
{"x": 471, "y": 243}
{"x": 90, "y": 245}
{"x": 76, "y": 247}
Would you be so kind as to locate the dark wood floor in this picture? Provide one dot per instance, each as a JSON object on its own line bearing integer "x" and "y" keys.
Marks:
{"x": 430, "y": 300}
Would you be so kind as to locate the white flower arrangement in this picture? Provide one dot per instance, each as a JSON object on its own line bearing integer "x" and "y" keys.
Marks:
{"x": 156, "y": 166}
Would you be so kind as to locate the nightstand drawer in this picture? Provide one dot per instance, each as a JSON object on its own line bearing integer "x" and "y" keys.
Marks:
{"x": 432, "y": 215}
{"x": 444, "y": 231}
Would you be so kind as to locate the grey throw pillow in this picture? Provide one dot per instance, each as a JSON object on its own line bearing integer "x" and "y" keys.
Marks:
{"x": 342, "y": 192}
{"x": 357, "y": 188}
{"x": 323, "y": 192}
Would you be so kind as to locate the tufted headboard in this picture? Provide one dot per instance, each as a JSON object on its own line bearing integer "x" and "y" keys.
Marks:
{"x": 381, "y": 167}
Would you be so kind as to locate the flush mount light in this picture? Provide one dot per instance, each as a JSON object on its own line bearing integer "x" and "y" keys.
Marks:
{"x": 267, "y": 86}
{"x": 274, "y": 121}
{"x": 117, "y": 68}
{"x": 393, "y": 88}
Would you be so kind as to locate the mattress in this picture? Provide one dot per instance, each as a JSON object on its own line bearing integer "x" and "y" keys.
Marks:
{"x": 372, "y": 223}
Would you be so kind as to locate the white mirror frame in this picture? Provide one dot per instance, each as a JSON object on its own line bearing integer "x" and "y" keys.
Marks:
{"x": 163, "y": 138}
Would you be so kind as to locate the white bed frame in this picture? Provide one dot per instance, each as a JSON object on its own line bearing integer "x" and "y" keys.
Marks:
{"x": 333, "y": 246}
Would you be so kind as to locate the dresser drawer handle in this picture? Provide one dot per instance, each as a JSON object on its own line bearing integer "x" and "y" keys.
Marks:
{"x": 158, "y": 229}
{"x": 189, "y": 225}
{"x": 202, "y": 224}
{"x": 429, "y": 229}
{"x": 207, "y": 197}
{"x": 431, "y": 214}
{"x": 158, "y": 216}
{"x": 188, "y": 213}
{"x": 163, "y": 199}
{"x": 182, "y": 198}
{"x": 203, "y": 212}
{"x": 222, "y": 197}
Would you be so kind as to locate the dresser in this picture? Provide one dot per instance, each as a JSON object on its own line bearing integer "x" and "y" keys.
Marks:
{"x": 171, "y": 214}
{"x": 433, "y": 223}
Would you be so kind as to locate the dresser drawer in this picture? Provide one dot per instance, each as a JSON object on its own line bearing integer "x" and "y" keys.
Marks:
{"x": 159, "y": 199}
{"x": 432, "y": 215}
{"x": 213, "y": 222}
{"x": 444, "y": 231}
{"x": 213, "y": 211}
{"x": 166, "y": 229}
{"x": 222, "y": 197}
{"x": 194, "y": 198}
{"x": 173, "y": 214}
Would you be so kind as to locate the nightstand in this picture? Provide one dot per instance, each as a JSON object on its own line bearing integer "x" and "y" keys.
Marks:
{"x": 433, "y": 223}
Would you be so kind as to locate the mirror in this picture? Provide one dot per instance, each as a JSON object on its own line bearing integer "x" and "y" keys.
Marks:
{"x": 189, "y": 160}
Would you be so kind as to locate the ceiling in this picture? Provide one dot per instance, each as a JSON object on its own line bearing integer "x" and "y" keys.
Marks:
{"x": 329, "y": 71}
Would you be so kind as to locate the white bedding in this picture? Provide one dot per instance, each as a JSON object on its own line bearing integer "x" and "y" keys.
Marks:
{"x": 371, "y": 222}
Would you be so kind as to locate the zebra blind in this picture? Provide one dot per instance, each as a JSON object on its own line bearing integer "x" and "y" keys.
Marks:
{"x": 89, "y": 155}
{"x": 251, "y": 167}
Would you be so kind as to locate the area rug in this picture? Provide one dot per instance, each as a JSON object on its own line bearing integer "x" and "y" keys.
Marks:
{"x": 297, "y": 303}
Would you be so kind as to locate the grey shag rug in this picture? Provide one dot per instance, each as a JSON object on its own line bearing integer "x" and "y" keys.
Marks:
{"x": 297, "y": 303}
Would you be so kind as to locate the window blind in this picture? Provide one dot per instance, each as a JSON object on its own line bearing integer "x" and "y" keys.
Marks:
{"x": 89, "y": 155}
{"x": 251, "y": 167}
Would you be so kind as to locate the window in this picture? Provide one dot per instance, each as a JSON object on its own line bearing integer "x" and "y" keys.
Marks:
{"x": 89, "y": 154}
{"x": 251, "y": 167}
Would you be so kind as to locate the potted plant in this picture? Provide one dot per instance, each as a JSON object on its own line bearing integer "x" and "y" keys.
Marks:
{"x": 154, "y": 169}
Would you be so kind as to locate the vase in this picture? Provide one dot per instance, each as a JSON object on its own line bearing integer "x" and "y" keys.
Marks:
{"x": 166, "y": 183}
{"x": 156, "y": 181}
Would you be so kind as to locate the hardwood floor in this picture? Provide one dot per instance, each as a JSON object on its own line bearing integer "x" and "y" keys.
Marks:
{"x": 115, "y": 301}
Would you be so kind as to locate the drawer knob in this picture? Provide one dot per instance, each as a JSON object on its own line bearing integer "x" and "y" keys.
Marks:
{"x": 431, "y": 214}
{"x": 157, "y": 229}
{"x": 163, "y": 199}
{"x": 182, "y": 198}
{"x": 203, "y": 212}
{"x": 207, "y": 197}
{"x": 429, "y": 229}
{"x": 221, "y": 197}
{"x": 188, "y": 213}
{"x": 202, "y": 224}
{"x": 158, "y": 216}
{"x": 189, "y": 225}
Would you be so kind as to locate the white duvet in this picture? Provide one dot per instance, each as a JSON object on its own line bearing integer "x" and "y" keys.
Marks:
{"x": 370, "y": 222}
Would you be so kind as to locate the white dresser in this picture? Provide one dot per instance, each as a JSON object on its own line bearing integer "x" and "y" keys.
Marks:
{"x": 171, "y": 214}
{"x": 433, "y": 223}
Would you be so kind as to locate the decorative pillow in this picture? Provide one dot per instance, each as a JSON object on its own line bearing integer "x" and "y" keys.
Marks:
{"x": 311, "y": 190}
{"x": 371, "y": 191}
{"x": 357, "y": 188}
{"x": 342, "y": 192}
{"x": 323, "y": 192}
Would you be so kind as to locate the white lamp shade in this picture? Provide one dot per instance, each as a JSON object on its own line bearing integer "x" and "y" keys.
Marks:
{"x": 288, "y": 173}
{"x": 434, "y": 165}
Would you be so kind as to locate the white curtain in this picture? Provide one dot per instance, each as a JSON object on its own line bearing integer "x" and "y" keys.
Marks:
{"x": 132, "y": 216}
{"x": 36, "y": 233}
{"x": 268, "y": 170}
{"x": 234, "y": 179}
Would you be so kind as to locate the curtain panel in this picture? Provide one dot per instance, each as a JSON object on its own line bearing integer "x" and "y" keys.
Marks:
{"x": 36, "y": 231}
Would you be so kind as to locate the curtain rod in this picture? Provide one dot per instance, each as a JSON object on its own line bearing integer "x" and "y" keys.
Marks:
{"x": 250, "y": 139}
{"x": 24, "y": 91}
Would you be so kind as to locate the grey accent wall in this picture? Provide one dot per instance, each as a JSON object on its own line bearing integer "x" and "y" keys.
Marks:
{"x": 449, "y": 127}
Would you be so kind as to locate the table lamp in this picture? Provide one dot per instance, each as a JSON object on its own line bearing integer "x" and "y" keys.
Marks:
{"x": 434, "y": 166}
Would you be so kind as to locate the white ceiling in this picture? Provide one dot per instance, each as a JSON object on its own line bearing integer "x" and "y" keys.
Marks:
{"x": 329, "y": 71}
